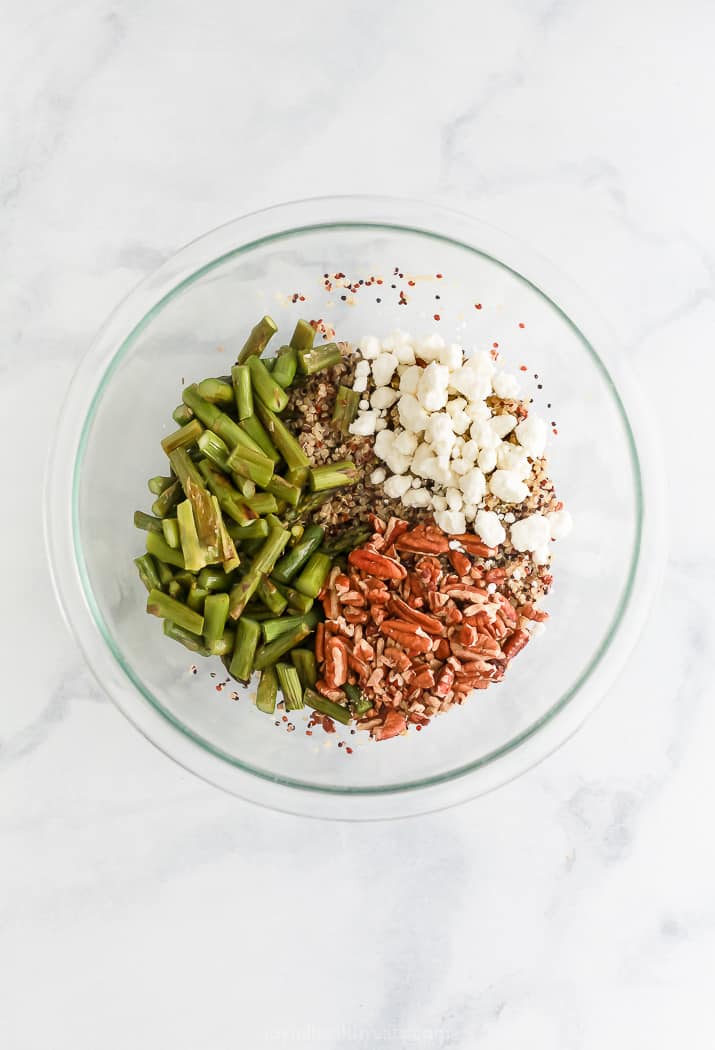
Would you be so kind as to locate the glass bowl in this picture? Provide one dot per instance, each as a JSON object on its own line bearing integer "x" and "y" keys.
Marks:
{"x": 423, "y": 268}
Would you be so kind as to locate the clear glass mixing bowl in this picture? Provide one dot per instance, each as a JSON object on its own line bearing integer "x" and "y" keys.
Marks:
{"x": 185, "y": 322}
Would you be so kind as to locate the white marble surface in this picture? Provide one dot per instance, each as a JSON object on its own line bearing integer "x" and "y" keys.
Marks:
{"x": 141, "y": 908}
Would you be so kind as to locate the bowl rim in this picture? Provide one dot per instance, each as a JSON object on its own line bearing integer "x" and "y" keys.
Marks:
{"x": 73, "y": 585}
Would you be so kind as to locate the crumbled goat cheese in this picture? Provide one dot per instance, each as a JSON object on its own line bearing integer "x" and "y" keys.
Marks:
{"x": 531, "y": 533}
{"x": 508, "y": 486}
{"x": 531, "y": 434}
{"x": 488, "y": 528}
{"x": 560, "y": 523}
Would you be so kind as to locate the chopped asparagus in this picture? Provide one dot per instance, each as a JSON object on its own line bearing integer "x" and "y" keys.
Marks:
{"x": 261, "y": 565}
{"x": 292, "y": 562}
{"x": 265, "y": 387}
{"x": 286, "y": 366}
{"x": 284, "y": 441}
{"x": 184, "y": 437}
{"x": 303, "y": 336}
{"x": 290, "y": 686}
{"x": 188, "y": 638}
{"x": 326, "y": 707}
{"x": 304, "y": 662}
{"x": 182, "y": 415}
{"x": 215, "y": 614}
{"x": 258, "y": 340}
{"x": 252, "y": 465}
{"x": 158, "y": 484}
{"x": 248, "y": 634}
{"x": 346, "y": 407}
{"x": 312, "y": 578}
{"x": 167, "y": 500}
{"x": 254, "y": 429}
{"x": 170, "y": 529}
{"x": 160, "y": 604}
{"x": 267, "y": 691}
{"x": 271, "y": 652}
{"x": 217, "y": 392}
{"x": 194, "y": 555}
{"x": 159, "y": 548}
{"x": 320, "y": 357}
{"x": 242, "y": 391}
{"x": 268, "y": 593}
{"x": 333, "y": 475}
{"x": 148, "y": 574}
{"x": 146, "y": 522}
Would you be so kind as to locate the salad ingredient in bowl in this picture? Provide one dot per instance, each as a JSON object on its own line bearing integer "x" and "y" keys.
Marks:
{"x": 369, "y": 529}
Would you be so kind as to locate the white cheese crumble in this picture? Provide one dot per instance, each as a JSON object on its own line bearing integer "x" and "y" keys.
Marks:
{"x": 531, "y": 534}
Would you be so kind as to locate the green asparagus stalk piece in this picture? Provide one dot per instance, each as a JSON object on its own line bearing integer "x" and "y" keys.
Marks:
{"x": 262, "y": 503}
{"x": 265, "y": 387}
{"x": 320, "y": 357}
{"x": 303, "y": 336}
{"x": 271, "y": 652}
{"x": 165, "y": 573}
{"x": 258, "y": 612}
{"x": 285, "y": 367}
{"x": 326, "y": 707}
{"x": 170, "y": 529}
{"x": 146, "y": 522}
{"x": 160, "y": 604}
{"x": 268, "y": 593}
{"x": 213, "y": 579}
{"x": 292, "y": 562}
{"x": 159, "y": 548}
{"x": 297, "y": 602}
{"x": 212, "y": 416}
{"x": 148, "y": 574}
{"x": 194, "y": 556}
{"x": 158, "y": 484}
{"x": 215, "y": 449}
{"x": 223, "y": 646}
{"x": 267, "y": 691}
{"x": 175, "y": 590}
{"x": 185, "y": 469}
{"x": 258, "y": 340}
{"x": 281, "y": 436}
{"x": 252, "y": 465}
{"x": 187, "y": 638}
{"x": 255, "y": 530}
{"x": 254, "y": 429}
{"x": 196, "y": 597}
{"x": 247, "y": 635}
{"x": 333, "y": 476}
{"x": 215, "y": 613}
{"x": 312, "y": 578}
{"x": 228, "y": 498}
{"x": 298, "y": 476}
{"x": 242, "y": 390}
{"x": 308, "y": 505}
{"x": 305, "y": 665}
{"x": 283, "y": 490}
{"x": 262, "y": 564}
{"x": 359, "y": 703}
{"x": 347, "y": 541}
{"x": 182, "y": 415}
{"x": 346, "y": 407}
{"x": 207, "y": 517}
{"x": 290, "y": 686}
{"x": 217, "y": 392}
{"x": 184, "y": 437}
{"x": 167, "y": 500}
{"x": 228, "y": 555}
{"x": 272, "y": 629}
